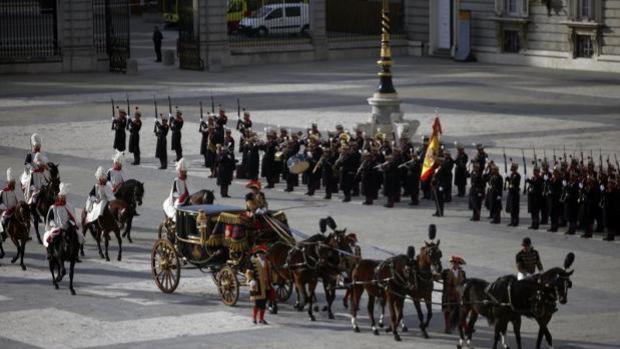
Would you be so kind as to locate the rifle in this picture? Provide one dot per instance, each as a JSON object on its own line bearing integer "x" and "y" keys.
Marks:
{"x": 128, "y": 110}
{"x": 554, "y": 158}
{"x": 535, "y": 157}
{"x": 581, "y": 155}
{"x": 544, "y": 155}
{"x": 600, "y": 158}
{"x": 524, "y": 170}
{"x": 505, "y": 163}
{"x": 212, "y": 105}
{"x": 169, "y": 108}
{"x": 200, "y": 110}
{"x": 156, "y": 121}
{"x": 113, "y": 114}
{"x": 238, "y": 115}
{"x": 565, "y": 158}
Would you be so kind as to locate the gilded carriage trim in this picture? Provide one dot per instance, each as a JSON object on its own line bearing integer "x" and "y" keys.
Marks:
{"x": 231, "y": 218}
{"x": 194, "y": 240}
{"x": 280, "y": 215}
{"x": 237, "y": 245}
{"x": 215, "y": 240}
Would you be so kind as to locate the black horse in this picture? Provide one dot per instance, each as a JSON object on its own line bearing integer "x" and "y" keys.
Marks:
{"x": 63, "y": 248}
{"x": 131, "y": 192}
{"x": 507, "y": 299}
{"x": 46, "y": 198}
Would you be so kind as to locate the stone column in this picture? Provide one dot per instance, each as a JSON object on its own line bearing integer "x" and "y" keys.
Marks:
{"x": 214, "y": 46}
{"x": 318, "y": 31}
{"x": 75, "y": 35}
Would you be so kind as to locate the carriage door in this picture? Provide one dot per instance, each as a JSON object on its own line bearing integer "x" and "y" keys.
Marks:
{"x": 188, "y": 45}
{"x": 444, "y": 24}
{"x": 111, "y": 31}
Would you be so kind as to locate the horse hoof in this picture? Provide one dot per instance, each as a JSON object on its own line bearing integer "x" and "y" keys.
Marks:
{"x": 130, "y": 241}
{"x": 331, "y": 316}
{"x": 459, "y": 346}
{"x": 312, "y": 318}
{"x": 405, "y": 329}
{"x": 13, "y": 260}
{"x": 425, "y": 334}
{"x": 107, "y": 259}
{"x": 375, "y": 332}
{"x": 397, "y": 338}
{"x": 381, "y": 325}
{"x": 119, "y": 258}
{"x": 56, "y": 286}
{"x": 23, "y": 267}
{"x": 72, "y": 292}
{"x": 356, "y": 329}
{"x": 325, "y": 308}
{"x": 40, "y": 242}
{"x": 316, "y": 308}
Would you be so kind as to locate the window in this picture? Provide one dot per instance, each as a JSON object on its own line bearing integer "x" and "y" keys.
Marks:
{"x": 277, "y": 13}
{"x": 585, "y": 9}
{"x": 293, "y": 11}
{"x": 511, "y": 41}
{"x": 583, "y": 46}
{"x": 511, "y": 6}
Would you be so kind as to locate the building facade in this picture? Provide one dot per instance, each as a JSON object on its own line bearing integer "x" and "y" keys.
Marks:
{"x": 561, "y": 34}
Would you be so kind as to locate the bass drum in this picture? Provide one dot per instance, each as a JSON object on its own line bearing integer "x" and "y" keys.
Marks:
{"x": 297, "y": 164}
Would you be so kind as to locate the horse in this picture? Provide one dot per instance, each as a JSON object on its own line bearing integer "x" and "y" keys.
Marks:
{"x": 507, "y": 299}
{"x": 18, "y": 230}
{"x": 303, "y": 261}
{"x": 427, "y": 270}
{"x": 202, "y": 197}
{"x": 63, "y": 248}
{"x": 276, "y": 257}
{"x": 45, "y": 198}
{"x": 131, "y": 192}
{"x": 114, "y": 216}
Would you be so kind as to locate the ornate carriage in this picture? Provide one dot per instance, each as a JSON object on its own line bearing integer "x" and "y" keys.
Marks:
{"x": 220, "y": 240}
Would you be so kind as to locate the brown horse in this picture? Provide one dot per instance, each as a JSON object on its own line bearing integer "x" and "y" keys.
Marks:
{"x": 202, "y": 197}
{"x": 303, "y": 262}
{"x": 113, "y": 219}
{"x": 363, "y": 279}
{"x": 18, "y": 230}
{"x": 276, "y": 257}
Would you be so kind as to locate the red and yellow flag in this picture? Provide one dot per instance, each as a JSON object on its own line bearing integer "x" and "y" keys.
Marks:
{"x": 431, "y": 151}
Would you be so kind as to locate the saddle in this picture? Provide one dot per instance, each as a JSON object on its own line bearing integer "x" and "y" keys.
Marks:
{"x": 497, "y": 291}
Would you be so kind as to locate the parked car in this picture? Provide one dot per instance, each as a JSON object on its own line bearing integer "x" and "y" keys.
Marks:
{"x": 277, "y": 19}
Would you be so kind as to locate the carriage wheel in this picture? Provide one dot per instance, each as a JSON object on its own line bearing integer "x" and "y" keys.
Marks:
{"x": 228, "y": 285}
{"x": 283, "y": 289}
{"x": 165, "y": 266}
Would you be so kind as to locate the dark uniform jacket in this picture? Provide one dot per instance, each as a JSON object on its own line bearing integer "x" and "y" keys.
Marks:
{"x": 514, "y": 192}
{"x": 535, "y": 194}
{"x": 176, "y": 126}
{"x": 460, "y": 172}
{"x": 529, "y": 261}
{"x": 226, "y": 167}
{"x": 119, "y": 125}
{"x": 134, "y": 136}
{"x": 161, "y": 131}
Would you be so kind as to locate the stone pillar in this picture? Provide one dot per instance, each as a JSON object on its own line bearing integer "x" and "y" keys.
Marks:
{"x": 214, "y": 46}
{"x": 75, "y": 35}
{"x": 318, "y": 31}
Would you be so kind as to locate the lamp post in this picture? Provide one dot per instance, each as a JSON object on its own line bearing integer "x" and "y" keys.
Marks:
{"x": 385, "y": 60}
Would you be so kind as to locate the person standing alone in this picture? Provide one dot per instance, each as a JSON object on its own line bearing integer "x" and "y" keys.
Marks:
{"x": 157, "y": 38}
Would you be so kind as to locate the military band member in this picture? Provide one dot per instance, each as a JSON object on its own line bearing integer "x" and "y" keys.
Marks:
{"x": 513, "y": 183}
{"x": 252, "y": 153}
{"x": 414, "y": 170}
{"x": 99, "y": 197}
{"x": 460, "y": 172}
{"x": 179, "y": 193}
{"x": 119, "y": 124}
{"x": 229, "y": 141}
{"x": 527, "y": 260}
{"x": 391, "y": 187}
{"x": 115, "y": 174}
{"x": 225, "y": 169}
{"x": 176, "y": 124}
{"x": 268, "y": 165}
{"x": 496, "y": 189}
{"x": 481, "y": 156}
{"x": 476, "y": 191}
{"x": 450, "y": 297}
{"x": 347, "y": 166}
{"x": 292, "y": 149}
{"x": 134, "y": 127}
{"x": 8, "y": 202}
{"x": 330, "y": 180}
{"x": 369, "y": 178}
{"x": 314, "y": 154}
{"x": 61, "y": 217}
{"x": 161, "y": 150}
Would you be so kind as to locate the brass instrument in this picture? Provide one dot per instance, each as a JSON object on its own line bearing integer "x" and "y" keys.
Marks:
{"x": 318, "y": 164}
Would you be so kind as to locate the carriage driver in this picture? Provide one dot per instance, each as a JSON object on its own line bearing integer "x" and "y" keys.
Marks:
{"x": 60, "y": 217}
{"x": 115, "y": 173}
{"x": 99, "y": 196}
{"x": 255, "y": 201}
{"x": 528, "y": 260}
{"x": 179, "y": 194}
{"x": 8, "y": 202}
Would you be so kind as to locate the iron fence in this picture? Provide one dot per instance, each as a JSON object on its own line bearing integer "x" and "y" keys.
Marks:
{"x": 267, "y": 23}
{"x": 360, "y": 20}
{"x": 28, "y": 31}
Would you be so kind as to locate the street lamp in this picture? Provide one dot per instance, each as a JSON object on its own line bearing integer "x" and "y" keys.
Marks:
{"x": 385, "y": 61}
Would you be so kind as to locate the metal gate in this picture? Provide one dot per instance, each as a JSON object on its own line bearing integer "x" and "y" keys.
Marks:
{"x": 111, "y": 31}
{"x": 188, "y": 45}
{"x": 28, "y": 31}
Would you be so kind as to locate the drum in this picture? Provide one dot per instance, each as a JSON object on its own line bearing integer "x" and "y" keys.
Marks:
{"x": 297, "y": 164}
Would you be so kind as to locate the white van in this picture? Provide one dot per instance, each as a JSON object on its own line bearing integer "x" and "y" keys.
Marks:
{"x": 277, "y": 19}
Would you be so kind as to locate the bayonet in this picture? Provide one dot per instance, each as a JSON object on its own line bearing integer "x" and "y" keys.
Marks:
{"x": 201, "y": 115}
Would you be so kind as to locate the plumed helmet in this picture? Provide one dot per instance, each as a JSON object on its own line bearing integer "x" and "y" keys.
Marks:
{"x": 118, "y": 158}
{"x": 35, "y": 140}
{"x": 39, "y": 159}
{"x": 181, "y": 165}
{"x": 432, "y": 231}
{"x": 9, "y": 175}
{"x": 99, "y": 173}
{"x": 64, "y": 189}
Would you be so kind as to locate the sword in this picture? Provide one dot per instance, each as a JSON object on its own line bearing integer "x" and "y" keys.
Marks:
{"x": 524, "y": 170}
{"x": 169, "y": 108}
{"x": 128, "y": 110}
{"x": 200, "y": 110}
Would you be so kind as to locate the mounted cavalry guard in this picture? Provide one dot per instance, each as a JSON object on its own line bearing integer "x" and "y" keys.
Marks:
{"x": 179, "y": 194}
{"x": 60, "y": 217}
{"x": 450, "y": 297}
{"x": 8, "y": 202}
{"x": 134, "y": 127}
{"x": 119, "y": 124}
{"x": 176, "y": 124}
{"x": 528, "y": 260}
{"x": 99, "y": 196}
{"x": 37, "y": 178}
{"x": 513, "y": 182}
{"x": 115, "y": 174}
{"x": 26, "y": 178}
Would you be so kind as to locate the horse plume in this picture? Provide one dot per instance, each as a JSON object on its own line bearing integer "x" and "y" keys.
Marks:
{"x": 411, "y": 252}
{"x": 331, "y": 223}
{"x": 432, "y": 231}
{"x": 568, "y": 261}
{"x": 323, "y": 225}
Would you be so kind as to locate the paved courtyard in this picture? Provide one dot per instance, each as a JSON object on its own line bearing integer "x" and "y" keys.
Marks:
{"x": 118, "y": 305}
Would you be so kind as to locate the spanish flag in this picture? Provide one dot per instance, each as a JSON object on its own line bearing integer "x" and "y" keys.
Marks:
{"x": 431, "y": 151}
